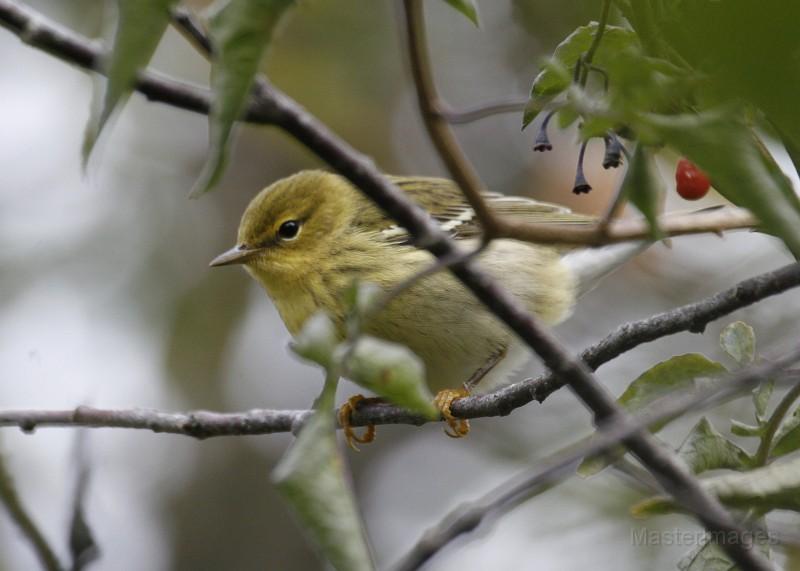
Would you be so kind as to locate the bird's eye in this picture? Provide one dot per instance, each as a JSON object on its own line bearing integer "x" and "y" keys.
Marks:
{"x": 289, "y": 230}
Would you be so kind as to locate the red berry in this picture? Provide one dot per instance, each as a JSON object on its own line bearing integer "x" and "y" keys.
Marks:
{"x": 691, "y": 182}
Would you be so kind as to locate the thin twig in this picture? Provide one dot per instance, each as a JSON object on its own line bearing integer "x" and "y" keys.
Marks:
{"x": 662, "y": 463}
{"x": 556, "y": 468}
{"x": 272, "y": 107}
{"x": 774, "y": 422}
{"x": 203, "y": 424}
{"x": 586, "y": 61}
{"x": 672, "y": 475}
{"x": 692, "y": 317}
{"x": 460, "y": 168}
{"x": 20, "y": 516}
{"x": 476, "y": 112}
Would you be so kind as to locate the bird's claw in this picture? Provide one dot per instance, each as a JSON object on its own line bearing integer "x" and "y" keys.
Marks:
{"x": 344, "y": 421}
{"x": 458, "y": 427}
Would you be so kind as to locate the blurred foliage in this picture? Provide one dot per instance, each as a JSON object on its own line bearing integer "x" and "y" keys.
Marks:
{"x": 693, "y": 76}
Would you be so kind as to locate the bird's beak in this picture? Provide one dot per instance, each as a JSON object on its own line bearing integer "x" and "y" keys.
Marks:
{"x": 236, "y": 255}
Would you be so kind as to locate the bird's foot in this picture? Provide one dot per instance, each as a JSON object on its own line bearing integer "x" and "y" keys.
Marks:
{"x": 458, "y": 427}
{"x": 344, "y": 421}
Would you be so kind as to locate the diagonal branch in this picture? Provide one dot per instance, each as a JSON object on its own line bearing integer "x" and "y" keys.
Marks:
{"x": 662, "y": 463}
{"x": 671, "y": 474}
{"x": 41, "y": 33}
{"x": 552, "y": 470}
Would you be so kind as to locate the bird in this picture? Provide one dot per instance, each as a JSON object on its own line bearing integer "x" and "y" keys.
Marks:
{"x": 306, "y": 239}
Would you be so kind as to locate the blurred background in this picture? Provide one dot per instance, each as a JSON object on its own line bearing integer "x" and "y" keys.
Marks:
{"x": 106, "y": 299}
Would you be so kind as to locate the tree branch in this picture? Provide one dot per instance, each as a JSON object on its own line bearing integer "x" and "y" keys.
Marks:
{"x": 41, "y": 33}
{"x": 552, "y": 470}
{"x": 430, "y": 104}
{"x": 204, "y": 424}
{"x": 671, "y": 474}
{"x": 692, "y": 317}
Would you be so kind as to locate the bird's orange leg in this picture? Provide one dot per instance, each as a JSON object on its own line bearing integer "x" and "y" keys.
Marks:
{"x": 459, "y": 427}
{"x": 344, "y": 421}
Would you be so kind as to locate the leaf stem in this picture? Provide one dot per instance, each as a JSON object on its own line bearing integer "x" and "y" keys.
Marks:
{"x": 774, "y": 422}
{"x": 586, "y": 60}
{"x": 16, "y": 510}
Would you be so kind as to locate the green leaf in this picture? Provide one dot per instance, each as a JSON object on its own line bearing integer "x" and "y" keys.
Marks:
{"x": 466, "y": 7}
{"x": 709, "y": 556}
{"x": 317, "y": 340}
{"x": 675, "y": 374}
{"x": 787, "y": 437}
{"x": 739, "y": 341}
{"x": 139, "y": 29}
{"x": 761, "y": 396}
{"x": 556, "y": 73}
{"x": 391, "y": 371}
{"x": 644, "y": 188}
{"x": 746, "y": 430}
{"x": 776, "y": 486}
{"x": 706, "y": 449}
{"x": 240, "y": 31}
{"x": 312, "y": 478}
{"x": 745, "y": 51}
{"x": 739, "y": 166}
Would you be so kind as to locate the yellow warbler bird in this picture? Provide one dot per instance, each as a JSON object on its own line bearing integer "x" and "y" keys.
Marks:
{"x": 308, "y": 237}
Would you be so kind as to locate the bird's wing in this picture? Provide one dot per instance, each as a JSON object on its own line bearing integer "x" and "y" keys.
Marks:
{"x": 446, "y": 203}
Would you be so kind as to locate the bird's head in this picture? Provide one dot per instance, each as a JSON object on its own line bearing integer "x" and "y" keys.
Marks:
{"x": 291, "y": 226}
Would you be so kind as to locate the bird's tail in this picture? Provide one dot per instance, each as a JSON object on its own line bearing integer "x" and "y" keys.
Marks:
{"x": 590, "y": 265}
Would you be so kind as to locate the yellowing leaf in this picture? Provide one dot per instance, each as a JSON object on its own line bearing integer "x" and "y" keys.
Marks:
{"x": 739, "y": 341}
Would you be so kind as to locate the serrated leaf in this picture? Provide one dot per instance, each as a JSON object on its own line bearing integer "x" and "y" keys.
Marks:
{"x": 317, "y": 340}
{"x": 140, "y": 27}
{"x": 466, "y": 7}
{"x": 739, "y": 341}
{"x": 740, "y": 168}
{"x": 706, "y": 449}
{"x": 556, "y": 73}
{"x": 240, "y": 31}
{"x": 776, "y": 486}
{"x": 391, "y": 371}
{"x": 311, "y": 476}
{"x": 674, "y": 374}
{"x": 787, "y": 437}
{"x": 644, "y": 187}
{"x": 746, "y": 430}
